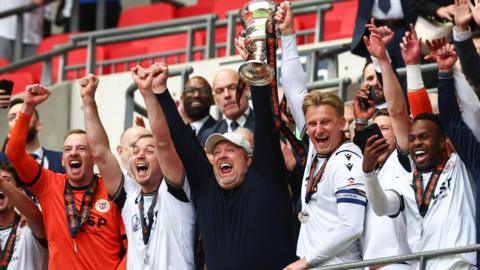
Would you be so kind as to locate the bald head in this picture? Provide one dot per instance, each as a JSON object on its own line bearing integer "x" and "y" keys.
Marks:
{"x": 129, "y": 137}
{"x": 224, "y": 87}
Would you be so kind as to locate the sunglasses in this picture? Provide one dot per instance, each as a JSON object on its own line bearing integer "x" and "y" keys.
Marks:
{"x": 192, "y": 90}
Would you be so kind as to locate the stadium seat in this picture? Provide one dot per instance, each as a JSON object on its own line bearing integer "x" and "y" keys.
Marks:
{"x": 194, "y": 10}
{"x": 20, "y": 81}
{"x": 146, "y": 14}
{"x": 4, "y": 62}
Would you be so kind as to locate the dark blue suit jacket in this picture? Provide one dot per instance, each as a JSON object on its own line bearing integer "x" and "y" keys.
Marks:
{"x": 364, "y": 14}
{"x": 206, "y": 126}
{"x": 54, "y": 160}
{"x": 222, "y": 127}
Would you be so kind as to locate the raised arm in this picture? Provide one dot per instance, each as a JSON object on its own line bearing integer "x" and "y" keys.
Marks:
{"x": 168, "y": 159}
{"x": 97, "y": 137}
{"x": 465, "y": 143}
{"x": 25, "y": 205}
{"x": 469, "y": 103}
{"x": 293, "y": 77}
{"x": 417, "y": 93}
{"x": 186, "y": 144}
{"x": 27, "y": 168}
{"x": 462, "y": 36}
{"x": 396, "y": 104}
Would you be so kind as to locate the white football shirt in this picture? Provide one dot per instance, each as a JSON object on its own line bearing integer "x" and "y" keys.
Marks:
{"x": 28, "y": 253}
{"x": 450, "y": 219}
{"x": 377, "y": 229}
{"x": 173, "y": 230}
{"x": 340, "y": 196}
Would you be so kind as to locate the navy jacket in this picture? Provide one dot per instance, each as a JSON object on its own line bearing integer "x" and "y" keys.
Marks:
{"x": 222, "y": 127}
{"x": 249, "y": 227}
{"x": 470, "y": 61}
{"x": 465, "y": 143}
{"x": 206, "y": 126}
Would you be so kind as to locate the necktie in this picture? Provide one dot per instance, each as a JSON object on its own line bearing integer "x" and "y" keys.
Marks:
{"x": 384, "y": 5}
{"x": 234, "y": 125}
{"x": 34, "y": 156}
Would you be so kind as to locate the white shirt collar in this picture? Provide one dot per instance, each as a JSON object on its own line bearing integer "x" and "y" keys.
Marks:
{"x": 240, "y": 120}
{"x": 39, "y": 152}
{"x": 197, "y": 125}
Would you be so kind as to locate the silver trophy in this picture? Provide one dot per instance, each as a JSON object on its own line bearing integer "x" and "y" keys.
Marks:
{"x": 254, "y": 16}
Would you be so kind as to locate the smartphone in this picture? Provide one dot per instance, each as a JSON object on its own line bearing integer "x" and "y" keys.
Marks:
{"x": 361, "y": 137}
{"x": 7, "y": 86}
{"x": 371, "y": 96}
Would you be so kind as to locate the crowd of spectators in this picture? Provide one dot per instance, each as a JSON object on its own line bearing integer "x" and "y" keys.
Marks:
{"x": 385, "y": 174}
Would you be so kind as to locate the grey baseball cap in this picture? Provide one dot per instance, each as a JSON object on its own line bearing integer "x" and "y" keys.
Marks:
{"x": 232, "y": 137}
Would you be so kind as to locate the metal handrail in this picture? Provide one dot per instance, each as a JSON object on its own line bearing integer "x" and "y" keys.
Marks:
{"x": 131, "y": 106}
{"x": 18, "y": 11}
{"x": 422, "y": 256}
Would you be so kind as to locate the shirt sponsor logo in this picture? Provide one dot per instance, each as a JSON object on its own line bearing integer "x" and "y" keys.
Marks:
{"x": 102, "y": 206}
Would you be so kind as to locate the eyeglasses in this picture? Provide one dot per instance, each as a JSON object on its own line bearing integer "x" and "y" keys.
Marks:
{"x": 192, "y": 90}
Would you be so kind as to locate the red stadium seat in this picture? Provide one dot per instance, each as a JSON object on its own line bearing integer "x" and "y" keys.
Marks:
{"x": 20, "y": 81}
{"x": 194, "y": 10}
{"x": 4, "y": 62}
{"x": 146, "y": 14}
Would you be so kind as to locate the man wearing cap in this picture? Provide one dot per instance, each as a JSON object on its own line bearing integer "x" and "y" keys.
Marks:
{"x": 241, "y": 198}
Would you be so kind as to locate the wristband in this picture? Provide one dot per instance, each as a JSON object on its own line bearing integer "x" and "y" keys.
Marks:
{"x": 361, "y": 121}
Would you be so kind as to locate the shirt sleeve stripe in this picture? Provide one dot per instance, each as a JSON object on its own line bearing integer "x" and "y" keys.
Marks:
{"x": 351, "y": 200}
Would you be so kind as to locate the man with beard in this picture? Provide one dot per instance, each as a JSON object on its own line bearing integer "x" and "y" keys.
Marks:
{"x": 437, "y": 197}
{"x": 49, "y": 159}
{"x": 23, "y": 247}
{"x": 224, "y": 88}
{"x": 197, "y": 99}
{"x": 84, "y": 229}
{"x": 155, "y": 200}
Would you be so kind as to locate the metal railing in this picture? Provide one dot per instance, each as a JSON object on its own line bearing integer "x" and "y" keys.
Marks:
{"x": 207, "y": 23}
{"x": 421, "y": 256}
{"x": 18, "y": 12}
{"x": 132, "y": 106}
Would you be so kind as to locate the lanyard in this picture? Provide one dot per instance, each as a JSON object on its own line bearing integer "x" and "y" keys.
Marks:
{"x": 313, "y": 180}
{"x": 75, "y": 220}
{"x": 147, "y": 228}
{"x": 422, "y": 197}
{"x": 7, "y": 253}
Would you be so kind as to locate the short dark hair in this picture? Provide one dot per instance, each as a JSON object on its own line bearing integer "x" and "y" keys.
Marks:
{"x": 16, "y": 101}
{"x": 432, "y": 118}
{"x": 73, "y": 131}
{"x": 380, "y": 112}
{"x": 9, "y": 168}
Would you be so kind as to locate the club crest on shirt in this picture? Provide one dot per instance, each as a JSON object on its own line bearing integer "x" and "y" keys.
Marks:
{"x": 449, "y": 166}
{"x": 102, "y": 206}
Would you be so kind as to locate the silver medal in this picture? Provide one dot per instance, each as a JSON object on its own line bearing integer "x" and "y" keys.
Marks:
{"x": 146, "y": 259}
{"x": 303, "y": 216}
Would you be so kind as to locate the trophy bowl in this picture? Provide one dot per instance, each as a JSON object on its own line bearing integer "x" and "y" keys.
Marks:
{"x": 254, "y": 16}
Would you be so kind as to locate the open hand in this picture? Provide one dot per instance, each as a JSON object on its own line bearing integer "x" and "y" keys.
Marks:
{"x": 434, "y": 46}
{"x": 476, "y": 11}
{"x": 375, "y": 45}
{"x": 385, "y": 33}
{"x": 446, "y": 13}
{"x": 410, "y": 47}
{"x": 446, "y": 58}
{"x": 463, "y": 14}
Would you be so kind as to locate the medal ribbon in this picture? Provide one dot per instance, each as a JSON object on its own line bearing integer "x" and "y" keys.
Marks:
{"x": 75, "y": 221}
{"x": 146, "y": 228}
{"x": 422, "y": 197}
{"x": 7, "y": 253}
{"x": 314, "y": 179}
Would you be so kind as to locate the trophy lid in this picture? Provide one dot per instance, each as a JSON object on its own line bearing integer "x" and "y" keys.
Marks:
{"x": 258, "y": 8}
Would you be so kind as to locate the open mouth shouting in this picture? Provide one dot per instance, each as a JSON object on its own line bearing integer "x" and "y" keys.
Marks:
{"x": 2, "y": 199}
{"x": 75, "y": 166}
{"x": 420, "y": 156}
{"x": 225, "y": 168}
{"x": 142, "y": 170}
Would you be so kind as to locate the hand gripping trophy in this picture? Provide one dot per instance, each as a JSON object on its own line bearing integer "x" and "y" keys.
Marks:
{"x": 254, "y": 16}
